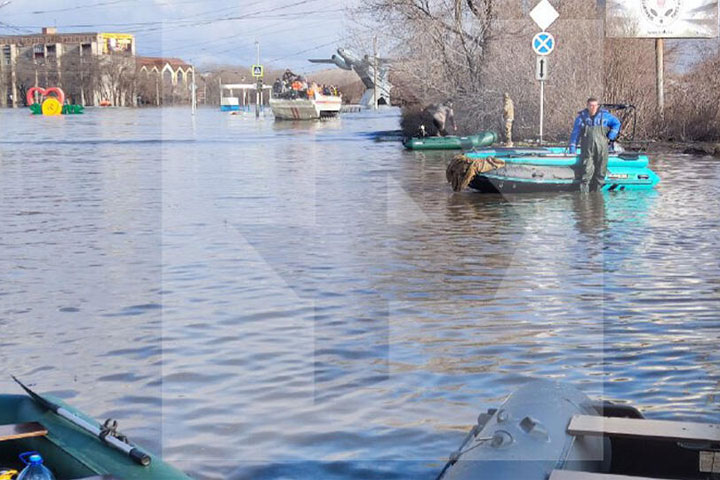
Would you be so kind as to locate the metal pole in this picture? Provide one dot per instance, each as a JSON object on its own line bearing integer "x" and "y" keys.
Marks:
{"x": 375, "y": 73}
{"x": 258, "y": 87}
{"x": 258, "y": 90}
{"x": 13, "y": 75}
{"x": 82, "y": 79}
{"x": 542, "y": 108}
{"x": 194, "y": 95}
{"x": 660, "y": 67}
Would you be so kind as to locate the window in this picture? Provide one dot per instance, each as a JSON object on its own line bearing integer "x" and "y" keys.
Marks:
{"x": 38, "y": 51}
{"x": 86, "y": 49}
{"x": 6, "y": 55}
{"x": 181, "y": 76}
{"x": 51, "y": 51}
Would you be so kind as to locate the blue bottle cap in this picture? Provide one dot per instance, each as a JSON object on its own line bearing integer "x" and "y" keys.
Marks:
{"x": 36, "y": 459}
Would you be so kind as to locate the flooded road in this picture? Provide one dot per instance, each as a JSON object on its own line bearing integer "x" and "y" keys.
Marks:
{"x": 286, "y": 300}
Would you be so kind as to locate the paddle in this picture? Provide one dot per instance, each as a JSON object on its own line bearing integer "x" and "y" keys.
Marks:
{"x": 137, "y": 455}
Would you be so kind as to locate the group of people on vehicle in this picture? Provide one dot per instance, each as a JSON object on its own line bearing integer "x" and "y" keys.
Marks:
{"x": 293, "y": 86}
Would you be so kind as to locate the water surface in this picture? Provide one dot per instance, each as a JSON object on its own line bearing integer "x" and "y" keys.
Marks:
{"x": 288, "y": 300}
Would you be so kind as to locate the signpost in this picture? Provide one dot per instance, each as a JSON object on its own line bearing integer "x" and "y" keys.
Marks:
{"x": 544, "y": 14}
{"x": 661, "y": 19}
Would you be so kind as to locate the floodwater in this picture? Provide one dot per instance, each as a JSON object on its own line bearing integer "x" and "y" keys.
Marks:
{"x": 296, "y": 300}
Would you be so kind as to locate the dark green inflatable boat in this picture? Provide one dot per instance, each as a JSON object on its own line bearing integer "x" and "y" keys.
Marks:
{"x": 451, "y": 142}
{"x": 69, "y": 450}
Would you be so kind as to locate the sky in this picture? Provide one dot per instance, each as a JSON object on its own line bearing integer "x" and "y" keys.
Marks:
{"x": 208, "y": 32}
{"x": 202, "y": 32}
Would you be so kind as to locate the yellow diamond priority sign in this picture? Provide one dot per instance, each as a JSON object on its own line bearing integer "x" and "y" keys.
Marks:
{"x": 257, "y": 71}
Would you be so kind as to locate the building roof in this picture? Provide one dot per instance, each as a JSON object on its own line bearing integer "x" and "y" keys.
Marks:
{"x": 33, "y": 38}
{"x": 160, "y": 62}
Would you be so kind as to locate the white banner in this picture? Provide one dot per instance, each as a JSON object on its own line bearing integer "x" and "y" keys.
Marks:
{"x": 662, "y": 18}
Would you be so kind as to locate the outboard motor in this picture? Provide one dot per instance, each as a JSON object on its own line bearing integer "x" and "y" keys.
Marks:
{"x": 526, "y": 438}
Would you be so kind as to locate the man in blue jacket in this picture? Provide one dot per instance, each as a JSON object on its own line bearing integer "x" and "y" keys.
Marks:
{"x": 594, "y": 128}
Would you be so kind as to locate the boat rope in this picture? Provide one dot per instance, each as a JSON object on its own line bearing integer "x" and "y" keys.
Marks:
{"x": 110, "y": 427}
{"x": 455, "y": 456}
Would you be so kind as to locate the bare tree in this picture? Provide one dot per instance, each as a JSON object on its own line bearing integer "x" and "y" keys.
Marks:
{"x": 691, "y": 112}
{"x": 474, "y": 51}
{"x": 117, "y": 79}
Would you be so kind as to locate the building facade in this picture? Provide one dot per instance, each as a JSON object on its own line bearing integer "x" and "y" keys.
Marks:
{"x": 92, "y": 69}
{"x": 163, "y": 80}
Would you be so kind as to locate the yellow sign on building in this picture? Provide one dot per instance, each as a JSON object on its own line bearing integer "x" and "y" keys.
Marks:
{"x": 117, "y": 42}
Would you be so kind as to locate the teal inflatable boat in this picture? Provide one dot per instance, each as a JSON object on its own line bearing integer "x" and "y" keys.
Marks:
{"x": 451, "y": 142}
{"x": 72, "y": 444}
{"x": 553, "y": 169}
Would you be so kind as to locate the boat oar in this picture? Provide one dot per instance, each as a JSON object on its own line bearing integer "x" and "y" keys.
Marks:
{"x": 137, "y": 455}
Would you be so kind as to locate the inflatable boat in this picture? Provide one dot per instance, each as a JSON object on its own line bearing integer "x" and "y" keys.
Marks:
{"x": 551, "y": 431}
{"x": 72, "y": 445}
{"x": 451, "y": 142}
{"x": 553, "y": 169}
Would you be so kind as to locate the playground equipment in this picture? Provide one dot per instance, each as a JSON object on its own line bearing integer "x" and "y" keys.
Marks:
{"x": 51, "y": 105}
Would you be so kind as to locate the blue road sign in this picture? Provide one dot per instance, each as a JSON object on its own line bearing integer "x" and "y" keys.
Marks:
{"x": 543, "y": 43}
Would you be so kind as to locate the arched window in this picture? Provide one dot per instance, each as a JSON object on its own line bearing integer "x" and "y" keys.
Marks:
{"x": 167, "y": 76}
{"x": 180, "y": 76}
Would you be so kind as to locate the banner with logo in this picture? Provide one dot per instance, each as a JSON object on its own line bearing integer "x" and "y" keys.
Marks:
{"x": 662, "y": 18}
{"x": 116, "y": 42}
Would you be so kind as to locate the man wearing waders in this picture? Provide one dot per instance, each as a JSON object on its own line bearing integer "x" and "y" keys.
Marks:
{"x": 594, "y": 128}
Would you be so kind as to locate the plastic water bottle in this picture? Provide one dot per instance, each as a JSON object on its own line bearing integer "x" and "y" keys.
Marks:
{"x": 35, "y": 470}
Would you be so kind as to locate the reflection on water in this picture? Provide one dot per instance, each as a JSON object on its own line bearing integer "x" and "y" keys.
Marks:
{"x": 267, "y": 299}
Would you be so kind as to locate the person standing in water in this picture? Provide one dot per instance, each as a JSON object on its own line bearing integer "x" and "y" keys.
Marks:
{"x": 594, "y": 128}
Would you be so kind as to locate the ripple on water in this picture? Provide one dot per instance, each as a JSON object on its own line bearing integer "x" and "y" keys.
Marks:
{"x": 284, "y": 300}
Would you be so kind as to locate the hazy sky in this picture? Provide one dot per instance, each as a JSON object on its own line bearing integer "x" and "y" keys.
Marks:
{"x": 199, "y": 31}
{"x": 208, "y": 31}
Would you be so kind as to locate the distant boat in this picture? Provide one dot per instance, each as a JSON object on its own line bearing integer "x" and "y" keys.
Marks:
{"x": 451, "y": 142}
{"x": 308, "y": 108}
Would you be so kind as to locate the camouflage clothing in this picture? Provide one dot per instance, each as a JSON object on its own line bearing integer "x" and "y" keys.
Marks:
{"x": 509, "y": 118}
{"x": 508, "y": 109}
